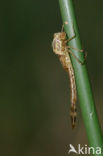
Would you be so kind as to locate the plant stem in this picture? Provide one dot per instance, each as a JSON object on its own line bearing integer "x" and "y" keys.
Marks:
{"x": 85, "y": 96}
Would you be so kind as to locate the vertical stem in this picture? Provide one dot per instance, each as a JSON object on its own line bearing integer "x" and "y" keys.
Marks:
{"x": 85, "y": 96}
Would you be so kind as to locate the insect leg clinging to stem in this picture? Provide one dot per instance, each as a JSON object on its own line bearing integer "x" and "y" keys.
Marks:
{"x": 70, "y": 48}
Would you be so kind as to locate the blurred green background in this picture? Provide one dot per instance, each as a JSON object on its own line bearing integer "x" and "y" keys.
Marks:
{"x": 34, "y": 88}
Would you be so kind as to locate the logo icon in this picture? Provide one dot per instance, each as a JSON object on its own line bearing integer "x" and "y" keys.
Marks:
{"x": 72, "y": 149}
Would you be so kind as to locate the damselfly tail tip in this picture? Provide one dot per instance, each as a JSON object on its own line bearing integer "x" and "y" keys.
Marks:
{"x": 73, "y": 115}
{"x": 73, "y": 126}
{"x": 73, "y": 122}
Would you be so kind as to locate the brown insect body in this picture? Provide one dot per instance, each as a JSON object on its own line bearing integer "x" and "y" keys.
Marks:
{"x": 60, "y": 48}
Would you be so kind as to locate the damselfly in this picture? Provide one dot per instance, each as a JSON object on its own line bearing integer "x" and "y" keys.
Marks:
{"x": 61, "y": 49}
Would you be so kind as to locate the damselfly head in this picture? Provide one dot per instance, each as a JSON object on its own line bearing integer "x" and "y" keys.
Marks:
{"x": 60, "y": 35}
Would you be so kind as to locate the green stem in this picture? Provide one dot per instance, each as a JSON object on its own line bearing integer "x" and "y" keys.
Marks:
{"x": 85, "y": 96}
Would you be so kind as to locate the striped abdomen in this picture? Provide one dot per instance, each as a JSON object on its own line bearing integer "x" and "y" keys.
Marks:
{"x": 66, "y": 62}
{"x": 73, "y": 110}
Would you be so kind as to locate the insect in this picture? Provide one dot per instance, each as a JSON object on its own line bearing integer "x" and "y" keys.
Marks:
{"x": 61, "y": 49}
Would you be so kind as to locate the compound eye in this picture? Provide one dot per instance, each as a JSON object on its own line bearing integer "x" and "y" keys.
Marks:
{"x": 63, "y": 35}
{"x": 55, "y": 35}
